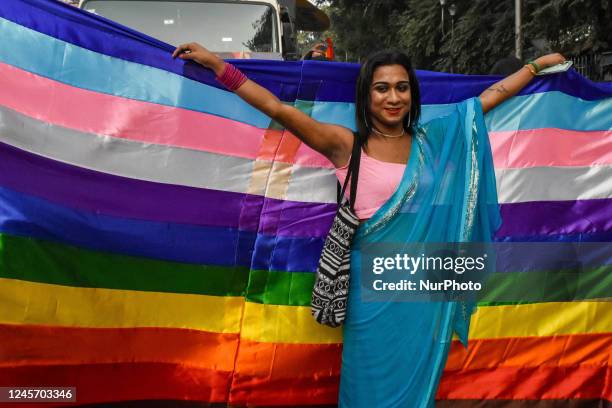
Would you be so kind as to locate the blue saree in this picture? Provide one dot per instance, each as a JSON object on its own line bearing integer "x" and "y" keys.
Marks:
{"x": 394, "y": 352}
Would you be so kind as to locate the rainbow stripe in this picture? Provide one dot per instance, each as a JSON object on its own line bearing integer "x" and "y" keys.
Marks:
{"x": 158, "y": 236}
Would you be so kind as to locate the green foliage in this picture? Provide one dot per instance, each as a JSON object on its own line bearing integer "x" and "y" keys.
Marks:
{"x": 483, "y": 30}
{"x": 365, "y": 26}
{"x": 571, "y": 26}
{"x": 483, "y": 34}
{"x": 420, "y": 32}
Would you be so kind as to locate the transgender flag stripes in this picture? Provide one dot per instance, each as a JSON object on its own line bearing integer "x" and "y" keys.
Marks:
{"x": 159, "y": 237}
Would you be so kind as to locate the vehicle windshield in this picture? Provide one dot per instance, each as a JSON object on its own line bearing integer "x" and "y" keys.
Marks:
{"x": 221, "y": 26}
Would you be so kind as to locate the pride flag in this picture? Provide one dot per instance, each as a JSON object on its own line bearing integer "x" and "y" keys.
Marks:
{"x": 158, "y": 236}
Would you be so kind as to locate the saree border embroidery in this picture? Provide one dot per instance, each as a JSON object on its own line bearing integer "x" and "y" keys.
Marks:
{"x": 419, "y": 135}
{"x": 473, "y": 183}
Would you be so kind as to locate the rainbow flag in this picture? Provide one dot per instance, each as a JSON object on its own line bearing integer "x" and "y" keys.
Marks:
{"x": 158, "y": 236}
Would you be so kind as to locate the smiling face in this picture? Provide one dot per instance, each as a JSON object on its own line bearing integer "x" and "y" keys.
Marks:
{"x": 390, "y": 98}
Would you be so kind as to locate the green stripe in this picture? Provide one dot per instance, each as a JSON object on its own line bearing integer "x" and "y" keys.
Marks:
{"x": 547, "y": 286}
{"x": 283, "y": 288}
{"x": 48, "y": 262}
{"x": 280, "y": 288}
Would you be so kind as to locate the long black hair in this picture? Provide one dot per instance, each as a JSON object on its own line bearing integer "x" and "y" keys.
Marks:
{"x": 364, "y": 82}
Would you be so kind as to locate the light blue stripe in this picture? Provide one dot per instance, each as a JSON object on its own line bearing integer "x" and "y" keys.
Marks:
{"x": 552, "y": 109}
{"x": 343, "y": 113}
{"x": 429, "y": 112}
{"x": 545, "y": 110}
{"x": 339, "y": 113}
{"x": 64, "y": 62}
{"x": 49, "y": 57}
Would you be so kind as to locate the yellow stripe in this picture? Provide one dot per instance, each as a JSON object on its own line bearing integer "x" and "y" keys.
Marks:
{"x": 270, "y": 178}
{"x": 290, "y": 324}
{"x": 38, "y": 303}
{"x": 542, "y": 319}
{"x": 285, "y": 324}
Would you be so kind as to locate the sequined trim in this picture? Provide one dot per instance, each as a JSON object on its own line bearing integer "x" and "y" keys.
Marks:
{"x": 391, "y": 212}
{"x": 469, "y": 207}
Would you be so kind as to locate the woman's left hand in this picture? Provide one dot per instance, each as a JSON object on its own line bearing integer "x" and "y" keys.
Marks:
{"x": 511, "y": 85}
{"x": 549, "y": 60}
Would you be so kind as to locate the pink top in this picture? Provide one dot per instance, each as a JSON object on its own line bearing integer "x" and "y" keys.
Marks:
{"x": 378, "y": 180}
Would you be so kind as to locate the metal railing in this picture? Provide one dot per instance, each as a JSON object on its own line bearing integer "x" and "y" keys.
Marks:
{"x": 596, "y": 67}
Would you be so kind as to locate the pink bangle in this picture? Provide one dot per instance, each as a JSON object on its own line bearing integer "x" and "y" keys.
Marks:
{"x": 231, "y": 78}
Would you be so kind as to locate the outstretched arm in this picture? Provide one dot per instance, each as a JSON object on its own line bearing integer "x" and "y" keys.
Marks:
{"x": 334, "y": 142}
{"x": 512, "y": 84}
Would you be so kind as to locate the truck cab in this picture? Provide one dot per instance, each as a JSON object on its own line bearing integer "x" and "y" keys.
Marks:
{"x": 261, "y": 29}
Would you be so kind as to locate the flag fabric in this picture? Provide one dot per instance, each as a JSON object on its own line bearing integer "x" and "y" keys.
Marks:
{"x": 159, "y": 237}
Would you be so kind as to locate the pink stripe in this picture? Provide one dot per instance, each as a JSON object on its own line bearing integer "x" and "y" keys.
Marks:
{"x": 551, "y": 147}
{"x": 307, "y": 157}
{"x": 92, "y": 112}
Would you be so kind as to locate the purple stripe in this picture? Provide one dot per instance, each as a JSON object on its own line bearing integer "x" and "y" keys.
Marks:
{"x": 556, "y": 218}
{"x": 129, "y": 198}
{"x": 124, "y": 197}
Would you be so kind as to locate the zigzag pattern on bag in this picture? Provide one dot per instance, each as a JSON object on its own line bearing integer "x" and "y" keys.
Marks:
{"x": 330, "y": 292}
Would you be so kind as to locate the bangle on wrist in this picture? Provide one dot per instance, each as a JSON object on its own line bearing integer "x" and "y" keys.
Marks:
{"x": 531, "y": 69}
{"x": 231, "y": 77}
{"x": 535, "y": 65}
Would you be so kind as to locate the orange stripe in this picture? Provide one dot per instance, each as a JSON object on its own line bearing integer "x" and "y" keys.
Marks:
{"x": 51, "y": 345}
{"x": 278, "y": 145}
{"x": 570, "y": 350}
{"x": 572, "y": 366}
{"x": 286, "y": 374}
{"x": 265, "y": 373}
{"x": 272, "y": 168}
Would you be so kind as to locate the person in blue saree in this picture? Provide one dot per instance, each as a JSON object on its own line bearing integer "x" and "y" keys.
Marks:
{"x": 419, "y": 182}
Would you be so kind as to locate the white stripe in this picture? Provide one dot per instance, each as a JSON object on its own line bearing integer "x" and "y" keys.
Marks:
{"x": 152, "y": 162}
{"x": 553, "y": 183}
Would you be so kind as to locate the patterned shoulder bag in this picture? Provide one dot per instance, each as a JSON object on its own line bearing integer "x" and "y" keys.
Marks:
{"x": 330, "y": 292}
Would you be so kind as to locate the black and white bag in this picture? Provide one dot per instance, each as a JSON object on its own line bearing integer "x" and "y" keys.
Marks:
{"x": 330, "y": 292}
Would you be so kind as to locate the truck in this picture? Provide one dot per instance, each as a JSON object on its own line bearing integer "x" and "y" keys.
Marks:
{"x": 259, "y": 29}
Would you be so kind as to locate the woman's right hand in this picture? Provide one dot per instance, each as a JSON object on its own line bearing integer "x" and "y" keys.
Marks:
{"x": 195, "y": 52}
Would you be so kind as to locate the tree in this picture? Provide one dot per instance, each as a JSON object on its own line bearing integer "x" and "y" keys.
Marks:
{"x": 420, "y": 32}
{"x": 573, "y": 27}
{"x": 483, "y": 30}
{"x": 483, "y": 34}
{"x": 364, "y": 26}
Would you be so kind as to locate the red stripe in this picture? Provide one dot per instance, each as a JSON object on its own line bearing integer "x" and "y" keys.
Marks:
{"x": 577, "y": 403}
{"x": 530, "y": 383}
{"x": 97, "y": 383}
{"x": 151, "y": 363}
{"x": 176, "y": 364}
{"x": 286, "y": 374}
{"x": 556, "y": 367}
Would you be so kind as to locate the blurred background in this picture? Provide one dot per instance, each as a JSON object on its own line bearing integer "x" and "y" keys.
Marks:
{"x": 469, "y": 36}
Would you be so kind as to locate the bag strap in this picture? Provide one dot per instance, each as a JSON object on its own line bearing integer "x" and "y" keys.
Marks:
{"x": 352, "y": 172}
